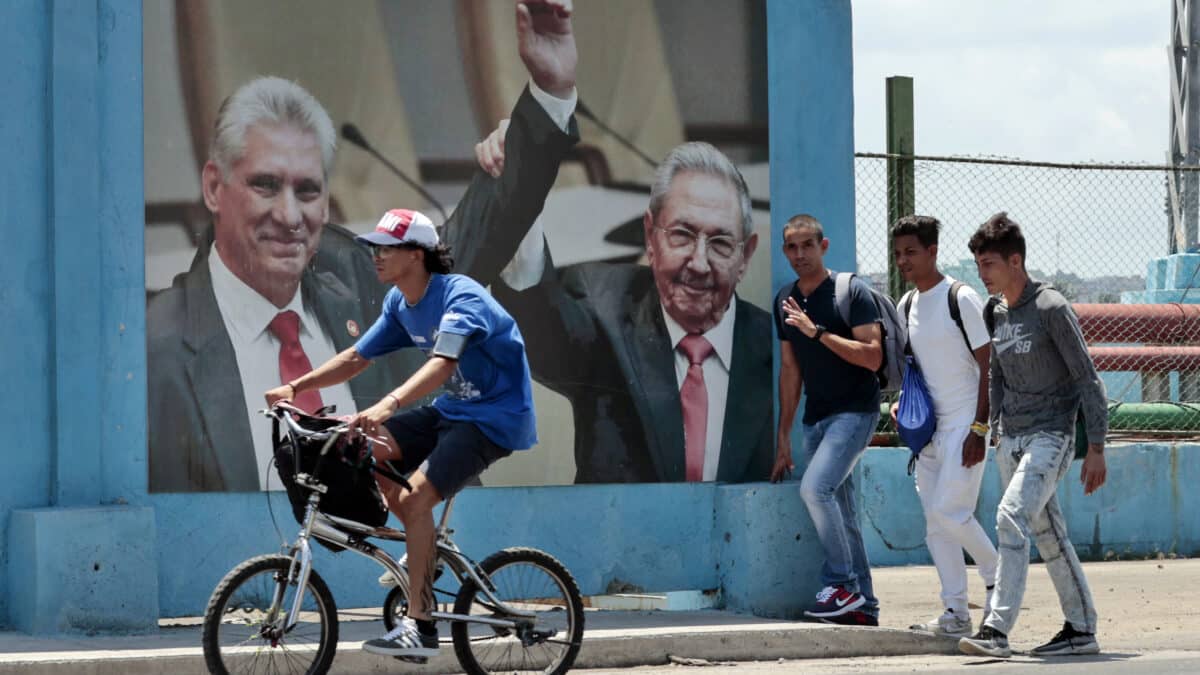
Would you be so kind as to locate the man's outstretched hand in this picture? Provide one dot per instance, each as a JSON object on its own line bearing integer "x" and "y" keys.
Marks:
{"x": 547, "y": 44}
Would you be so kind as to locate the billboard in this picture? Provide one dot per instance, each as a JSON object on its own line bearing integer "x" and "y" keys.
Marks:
{"x": 605, "y": 284}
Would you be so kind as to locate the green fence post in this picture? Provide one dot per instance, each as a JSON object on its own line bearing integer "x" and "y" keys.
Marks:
{"x": 900, "y": 180}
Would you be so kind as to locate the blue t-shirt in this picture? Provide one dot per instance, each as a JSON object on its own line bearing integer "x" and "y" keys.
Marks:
{"x": 832, "y": 384}
{"x": 491, "y": 387}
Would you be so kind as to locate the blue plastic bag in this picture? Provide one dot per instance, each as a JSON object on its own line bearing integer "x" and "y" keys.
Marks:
{"x": 915, "y": 418}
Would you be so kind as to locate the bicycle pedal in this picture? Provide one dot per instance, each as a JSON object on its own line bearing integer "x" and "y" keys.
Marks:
{"x": 417, "y": 660}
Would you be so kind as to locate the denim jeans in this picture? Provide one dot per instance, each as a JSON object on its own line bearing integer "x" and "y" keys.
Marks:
{"x": 1031, "y": 467}
{"x": 834, "y": 446}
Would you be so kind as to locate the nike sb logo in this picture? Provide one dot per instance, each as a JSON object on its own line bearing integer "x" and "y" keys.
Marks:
{"x": 1010, "y": 336}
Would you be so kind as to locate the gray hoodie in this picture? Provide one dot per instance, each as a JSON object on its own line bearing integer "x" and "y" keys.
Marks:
{"x": 1041, "y": 373}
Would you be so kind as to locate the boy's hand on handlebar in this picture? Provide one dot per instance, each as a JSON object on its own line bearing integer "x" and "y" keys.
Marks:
{"x": 372, "y": 418}
{"x": 283, "y": 392}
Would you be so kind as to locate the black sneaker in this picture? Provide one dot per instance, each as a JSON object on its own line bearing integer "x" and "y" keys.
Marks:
{"x": 854, "y": 618}
{"x": 987, "y": 642}
{"x": 404, "y": 640}
{"x": 1068, "y": 642}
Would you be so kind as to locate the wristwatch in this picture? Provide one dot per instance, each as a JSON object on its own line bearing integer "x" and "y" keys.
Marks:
{"x": 819, "y": 332}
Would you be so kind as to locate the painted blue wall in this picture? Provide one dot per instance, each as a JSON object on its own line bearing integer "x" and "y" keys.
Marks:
{"x": 25, "y": 291}
{"x": 72, "y": 319}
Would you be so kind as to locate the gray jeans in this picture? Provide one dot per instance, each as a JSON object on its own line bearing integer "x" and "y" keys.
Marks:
{"x": 1031, "y": 467}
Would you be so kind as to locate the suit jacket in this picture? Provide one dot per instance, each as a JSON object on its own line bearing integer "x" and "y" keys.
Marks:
{"x": 596, "y": 334}
{"x": 199, "y": 436}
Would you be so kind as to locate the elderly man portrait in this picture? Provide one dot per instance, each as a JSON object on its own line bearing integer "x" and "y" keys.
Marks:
{"x": 277, "y": 289}
{"x": 667, "y": 371}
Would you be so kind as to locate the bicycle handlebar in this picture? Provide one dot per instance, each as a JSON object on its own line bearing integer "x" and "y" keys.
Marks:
{"x": 286, "y": 412}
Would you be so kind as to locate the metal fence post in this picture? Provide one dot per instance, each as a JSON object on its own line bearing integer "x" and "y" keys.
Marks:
{"x": 900, "y": 178}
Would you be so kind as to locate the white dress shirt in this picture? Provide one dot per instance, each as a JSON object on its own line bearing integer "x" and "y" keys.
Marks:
{"x": 246, "y": 315}
{"x": 716, "y": 380}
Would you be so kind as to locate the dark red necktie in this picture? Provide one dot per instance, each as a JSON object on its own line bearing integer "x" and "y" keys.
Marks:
{"x": 293, "y": 362}
{"x": 694, "y": 397}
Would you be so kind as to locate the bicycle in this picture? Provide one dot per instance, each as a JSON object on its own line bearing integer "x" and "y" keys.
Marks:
{"x": 519, "y": 610}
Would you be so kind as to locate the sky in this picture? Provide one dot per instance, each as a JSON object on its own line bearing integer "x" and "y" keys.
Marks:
{"x": 1051, "y": 80}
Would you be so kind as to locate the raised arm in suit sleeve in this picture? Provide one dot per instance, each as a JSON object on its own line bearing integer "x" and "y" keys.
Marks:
{"x": 495, "y": 213}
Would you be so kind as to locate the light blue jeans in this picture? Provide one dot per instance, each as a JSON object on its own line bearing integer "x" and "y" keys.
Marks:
{"x": 1031, "y": 467}
{"x": 834, "y": 446}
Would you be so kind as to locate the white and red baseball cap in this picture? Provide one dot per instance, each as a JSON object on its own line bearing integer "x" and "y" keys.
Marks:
{"x": 402, "y": 226}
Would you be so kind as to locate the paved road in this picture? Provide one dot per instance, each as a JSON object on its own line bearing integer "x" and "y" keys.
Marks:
{"x": 1105, "y": 664}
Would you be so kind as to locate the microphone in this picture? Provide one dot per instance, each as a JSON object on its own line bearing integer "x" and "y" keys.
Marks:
{"x": 352, "y": 134}
{"x": 585, "y": 111}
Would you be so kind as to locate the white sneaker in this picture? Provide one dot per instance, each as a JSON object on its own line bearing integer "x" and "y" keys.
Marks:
{"x": 387, "y": 579}
{"x": 949, "y": 624}
{"x": 404, "y": 641}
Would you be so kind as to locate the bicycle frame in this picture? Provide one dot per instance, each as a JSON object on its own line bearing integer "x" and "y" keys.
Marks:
{"x": 353, "y": 536}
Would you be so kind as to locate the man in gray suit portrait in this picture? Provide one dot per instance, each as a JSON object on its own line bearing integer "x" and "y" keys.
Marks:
{"x": 668, "y": 372}
{"x": 277, "y": 289}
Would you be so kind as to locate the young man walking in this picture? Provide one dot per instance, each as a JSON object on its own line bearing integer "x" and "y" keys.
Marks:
{"x": 1041, "y": 378}
{"x": 838, "y": 360}
{"x": 953, "y": 357}
{"x": 476, "y": 353}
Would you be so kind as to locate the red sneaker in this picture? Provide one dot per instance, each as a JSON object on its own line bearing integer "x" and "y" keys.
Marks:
{"x": 834, "y": 601}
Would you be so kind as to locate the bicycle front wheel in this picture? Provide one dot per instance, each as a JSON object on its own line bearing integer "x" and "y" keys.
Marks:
{"x": 526, "y": 580}
{"x": 245, "y": 627}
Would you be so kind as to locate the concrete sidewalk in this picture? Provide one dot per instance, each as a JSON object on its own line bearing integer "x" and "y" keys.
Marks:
{"x": 1143, "y": 605}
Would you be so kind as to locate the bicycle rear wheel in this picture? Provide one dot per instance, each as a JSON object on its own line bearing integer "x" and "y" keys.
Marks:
{"x": 530, "y": 580}
{"x": 244, "y": 624}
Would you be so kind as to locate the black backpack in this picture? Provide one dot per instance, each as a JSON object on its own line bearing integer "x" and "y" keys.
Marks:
{"x": 894, "y": 330}
{"x": 346, "y": 471}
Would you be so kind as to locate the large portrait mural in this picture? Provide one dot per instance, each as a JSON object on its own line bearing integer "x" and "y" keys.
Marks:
{"x": 627, "y": 240}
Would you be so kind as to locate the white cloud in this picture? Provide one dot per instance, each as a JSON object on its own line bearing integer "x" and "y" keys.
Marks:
{"x": 1060, "y": 81}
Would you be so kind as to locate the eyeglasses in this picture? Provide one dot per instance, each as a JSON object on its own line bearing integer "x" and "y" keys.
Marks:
{"x": 718, "y": 247}
{"x": 380, "y": 250}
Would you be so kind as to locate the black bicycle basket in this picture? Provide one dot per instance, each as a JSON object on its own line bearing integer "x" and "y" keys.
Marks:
{"x": 345, "y": 470}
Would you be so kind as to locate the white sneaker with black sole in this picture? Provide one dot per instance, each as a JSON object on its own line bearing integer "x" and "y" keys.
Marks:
{"x": 950, "y": 624}
{"x": 1068, "y": 642}
{"x": 404, "y": 640}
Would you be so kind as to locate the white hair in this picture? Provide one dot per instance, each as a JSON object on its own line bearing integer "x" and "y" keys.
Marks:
{"x": 702, "y": 158}
{"x": 269, "y": 100}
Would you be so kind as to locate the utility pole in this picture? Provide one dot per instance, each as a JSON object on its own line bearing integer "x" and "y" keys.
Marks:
{"x": 901, "y": 182}
{"x": 1183, "y": 187}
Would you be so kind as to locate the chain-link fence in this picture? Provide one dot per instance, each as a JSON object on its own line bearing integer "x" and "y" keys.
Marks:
{"x": 1099, "y": 233}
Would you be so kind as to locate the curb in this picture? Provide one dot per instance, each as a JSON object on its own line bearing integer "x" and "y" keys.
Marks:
{"x": 608, "y": 648}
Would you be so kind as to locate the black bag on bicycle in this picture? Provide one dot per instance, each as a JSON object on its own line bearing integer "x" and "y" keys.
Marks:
{"x": 345, "y": 471}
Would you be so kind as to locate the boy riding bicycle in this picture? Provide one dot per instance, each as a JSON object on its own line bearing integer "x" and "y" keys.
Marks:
{"x": 477, "y": 353}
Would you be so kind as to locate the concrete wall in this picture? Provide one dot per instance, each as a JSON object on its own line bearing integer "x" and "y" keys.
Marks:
{"x": 72, "y": 323}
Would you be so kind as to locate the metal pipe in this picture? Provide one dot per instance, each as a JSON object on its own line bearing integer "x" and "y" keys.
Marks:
{"x": 1147, "y": 358}
{"x": 1161, "y": 323}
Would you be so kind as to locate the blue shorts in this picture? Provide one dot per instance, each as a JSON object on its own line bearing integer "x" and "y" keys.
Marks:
{"x": 450, "y": 453}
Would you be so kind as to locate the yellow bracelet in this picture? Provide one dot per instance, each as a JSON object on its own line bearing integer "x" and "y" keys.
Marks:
{"x": 979, "y": 428}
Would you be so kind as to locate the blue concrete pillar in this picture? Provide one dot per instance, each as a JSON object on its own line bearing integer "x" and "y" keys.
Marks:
{"x": 84, "y": 561}
{"x": 770, "y": 556}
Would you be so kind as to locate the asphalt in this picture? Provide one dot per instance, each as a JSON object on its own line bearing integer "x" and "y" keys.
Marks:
{"x": 1147, "y": 605}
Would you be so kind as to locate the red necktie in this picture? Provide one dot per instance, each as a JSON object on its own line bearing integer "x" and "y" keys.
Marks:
{"x": 293, "y": 362}
{"x": 694, "y": 397}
